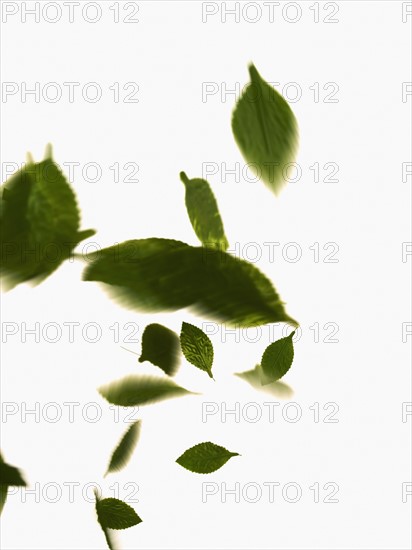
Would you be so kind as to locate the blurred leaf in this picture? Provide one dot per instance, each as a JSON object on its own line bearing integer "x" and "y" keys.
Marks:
{"x": 39, "y": 223}
{"x": 3, "y": 496}
{"x": 265, "y": 130}
{"x": 113, "y": 513}
{"x": 164, "y": 275}
{"x": 277, "y": 359}
{"x": 140, "y": 390}
{"x": 204, "y": 213}
{"x": 205, "y": 458}
{"x": 160, "y": 346}
{"x": 254, "y": 378}
{"x": 108, "y": 535}
{"x": 125, "y": 448}
{"x": 10, "y": 476}
{"x": 197, "y": 347}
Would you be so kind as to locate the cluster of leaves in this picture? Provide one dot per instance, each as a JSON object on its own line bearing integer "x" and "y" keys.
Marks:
{"x": 39, "y": 213}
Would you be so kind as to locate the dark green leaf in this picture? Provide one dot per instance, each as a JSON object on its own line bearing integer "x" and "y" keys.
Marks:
{"x": 3, "y": 496}
{"x": 205, "y": 458}
{"x": 113, "y": 513}
{"x": 107, "y": 533}
{"x": 10, "y": 476}
{"x": 125, "y": 448}
{"x": 39, "y": 223}
{"x": 140, "y": 390}
{"x": 160, "y": 346}
{"x": 277, "y": 359}
{"x": 164, "y": 275}
{"x": 204, "y": 213}
{"x": 254, "y": 378}
{"x": 197, "y": 347}
{"x": 265, "y": 130}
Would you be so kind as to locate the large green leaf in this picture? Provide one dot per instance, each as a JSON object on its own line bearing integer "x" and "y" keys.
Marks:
{"x": 140, "y": 390}
{"x": 39, "y": 222}
{"x": 124, "y": 450}
{"x": 164, "y": 275}
{"x": 160, "y": 346}
{"x": 265, "y": 130}
{"x": 204, "y": 213}
{"x": 197, "y": 347}
{"x": 277, "y": 359}
{"x": 113, "y": 513}
{"x": 205, "y": 458}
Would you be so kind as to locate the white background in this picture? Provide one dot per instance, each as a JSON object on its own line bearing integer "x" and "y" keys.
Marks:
{"x": 169, "y": 53}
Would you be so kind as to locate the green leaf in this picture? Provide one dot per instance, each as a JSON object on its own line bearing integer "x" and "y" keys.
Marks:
{"x": 197, "y": 347}
{"x": 163, "y": 275}
{"x": 254, "y": 378}
{"x": 265, "y": 130}
{"x": 140, "y": 390}
{"x": 3, "y": 496}
{"x": 160, "y": 346}
{"x": 277, "y": 359}
{"x": 205, "y": 458}
{"x": 121, "y": 455}
{"x": 107, "y": 533}
{"x": 204, "y": 213}
{"x": 39, "y": 223}
{"x": 10, "y": 476}
{"x": 113, "y": 513}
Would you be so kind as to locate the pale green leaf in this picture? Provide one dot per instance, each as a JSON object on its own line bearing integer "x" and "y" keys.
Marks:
{"x": 140, "y": 390}
{"x": 254, "y": 377}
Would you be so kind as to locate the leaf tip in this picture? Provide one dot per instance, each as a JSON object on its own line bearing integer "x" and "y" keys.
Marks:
{"x": 29, "y": 158}
{"x": 48, "y": 152}
{"x": 184, "y": 178}
{"x": 253, "y": 72}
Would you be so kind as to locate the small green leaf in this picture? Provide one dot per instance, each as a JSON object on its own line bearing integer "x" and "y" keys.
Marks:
{"x": 277, "y": 359}
{"x": 204, "y": 213}
{"x": 205, "y": 458}
{"x": 163, "y": 275}
{"x": 140, "y": 390}
{"x": 265, "y": 130}
{"x": 113, "y": 513}
{"x": 39, "y": 222}
{"x": 254, "y": 378}
{"x": 121, "y": 455}
{"x": 160, "y": 346}
{"x": 197, "y": 347}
